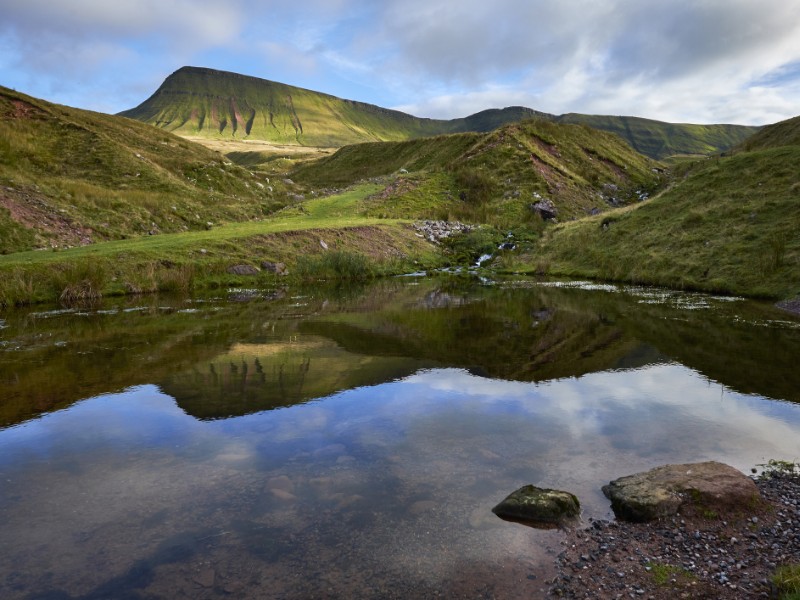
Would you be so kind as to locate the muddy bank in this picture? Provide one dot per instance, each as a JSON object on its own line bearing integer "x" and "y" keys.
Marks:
{"x": 686, "y": 557}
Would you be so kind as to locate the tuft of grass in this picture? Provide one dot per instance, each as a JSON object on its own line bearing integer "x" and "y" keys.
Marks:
{"x": 179, "y": 278}
{"x": 663, "y": 573}
{"x": 335, "y": 264}
{"x": 16, "y": 288}
{"x": 786, "y": 580}
{"x": 780, "y": 468}
{"x": 80, "y": 282}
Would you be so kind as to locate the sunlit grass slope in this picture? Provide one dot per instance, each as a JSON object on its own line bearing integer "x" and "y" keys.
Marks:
{"x": 71, "y": 177}
{"x": 661, "y": 140}
{"x": 728, "y": 224}
{"x": 785, "y": 133}
{"x": 326, "y": 239}
{"x": 497, "y": 177}
{"x": 218, "y": 104}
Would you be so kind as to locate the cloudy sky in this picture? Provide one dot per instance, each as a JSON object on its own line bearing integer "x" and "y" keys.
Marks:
{"x": 700, "y": 61}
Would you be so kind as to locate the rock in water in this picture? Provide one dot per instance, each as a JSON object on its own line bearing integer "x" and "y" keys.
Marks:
{"x": 538, "y": 506}
{"x": 706, "y": 488}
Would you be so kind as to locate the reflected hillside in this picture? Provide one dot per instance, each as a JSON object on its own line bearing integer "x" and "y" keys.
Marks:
{"x": 255, "y": 377}
{"x": 525, "y": 335}
{"x": 220, "y": 358}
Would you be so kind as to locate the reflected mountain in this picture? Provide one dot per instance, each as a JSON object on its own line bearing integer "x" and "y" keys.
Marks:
{"x": 220, "y": 359}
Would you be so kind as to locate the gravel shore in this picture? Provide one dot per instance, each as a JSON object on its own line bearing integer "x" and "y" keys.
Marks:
{"x": 686, "y": 556}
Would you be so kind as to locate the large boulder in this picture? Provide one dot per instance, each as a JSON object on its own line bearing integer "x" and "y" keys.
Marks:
{"x": 707, "y": 489}
{"x": 538, "y": 506}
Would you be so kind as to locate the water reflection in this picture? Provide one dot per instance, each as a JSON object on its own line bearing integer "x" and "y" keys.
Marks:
{"x": 354, "y": 446}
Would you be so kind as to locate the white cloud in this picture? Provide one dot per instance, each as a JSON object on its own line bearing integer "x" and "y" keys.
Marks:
{"x": 203, "y": 21}
{"x": 710, "y": 61}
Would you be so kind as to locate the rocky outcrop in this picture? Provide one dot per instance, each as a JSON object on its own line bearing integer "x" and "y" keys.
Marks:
{"x": 538, "y": 506}
{"x": 435, "y": 231}
{"x": 710, "y": 488}
{"x": 545, "y": 209}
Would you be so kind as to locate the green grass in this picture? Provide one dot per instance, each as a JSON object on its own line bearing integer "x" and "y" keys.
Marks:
{"x": 663, "y": 573}
{"x": 202, "y": 258}
{"x": 71, "y": 177}
{"x": 662, "y": 140}
{"x": 495, "y": 177}
{"x": 787, "y": 580}
{"x": 785, "y": 133}
{"x": 727, "y": 225}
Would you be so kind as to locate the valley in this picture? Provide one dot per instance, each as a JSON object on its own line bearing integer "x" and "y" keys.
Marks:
{"x": 101, "y": 204}
{"x": 256, "y": 339}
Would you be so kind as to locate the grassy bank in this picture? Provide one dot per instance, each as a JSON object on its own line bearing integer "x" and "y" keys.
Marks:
{"x": 728, "y": 225}
{"x": 325, "y": 239}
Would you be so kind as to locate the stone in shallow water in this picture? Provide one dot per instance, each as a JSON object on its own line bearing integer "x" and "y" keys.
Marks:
{"x": 538, "y": 506}
{"x": 706, "y": 488}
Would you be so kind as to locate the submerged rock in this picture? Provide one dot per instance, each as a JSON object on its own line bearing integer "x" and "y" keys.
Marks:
{"x": 538, "y": 506}
{"x": 707, "y": 488}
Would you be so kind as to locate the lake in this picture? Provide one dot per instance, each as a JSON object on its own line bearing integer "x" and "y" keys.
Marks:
{"x": 350, "y": 442}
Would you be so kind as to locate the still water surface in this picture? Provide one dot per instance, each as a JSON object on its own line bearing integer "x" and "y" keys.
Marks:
{"x": 350, "y": 443}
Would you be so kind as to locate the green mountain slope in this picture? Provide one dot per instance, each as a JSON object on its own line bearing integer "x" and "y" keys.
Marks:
{"x": 728, "y": 224}
{"x": 785, "y": 133}
{"x": 660, "y": 140}
{"x": 70, "y": 177}
{"x": 210, "y": 103}
{"x": 495, "y": 177}
{"x": 206, "y": 102}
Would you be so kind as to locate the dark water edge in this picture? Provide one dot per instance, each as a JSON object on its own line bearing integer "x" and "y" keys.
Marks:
{"x": 350, "y": 442}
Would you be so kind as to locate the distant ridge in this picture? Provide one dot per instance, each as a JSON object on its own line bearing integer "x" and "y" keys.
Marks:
{"x": 211, "y": 103}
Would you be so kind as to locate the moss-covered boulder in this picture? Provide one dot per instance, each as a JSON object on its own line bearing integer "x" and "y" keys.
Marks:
{"x": 707, "y": 488}
{"x": 538, "y": 506}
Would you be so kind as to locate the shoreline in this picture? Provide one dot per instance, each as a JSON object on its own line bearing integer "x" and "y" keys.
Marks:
{"x": 686, "y": 556}
{"x": 790, "y": 306}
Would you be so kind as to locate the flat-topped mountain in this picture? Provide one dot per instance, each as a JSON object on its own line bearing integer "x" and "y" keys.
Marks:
{"x": 210, "y": 103}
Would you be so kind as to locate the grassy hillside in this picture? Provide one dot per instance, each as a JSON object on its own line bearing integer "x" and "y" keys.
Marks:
{"x": 197, "y": 101}
{"x": 496, "y": 177}
{"x": 214, "y": 104}
{"x": 785, "y": 133}
{"x": 325, "y": 238}
{"x": 728, "y": 224}
{"x": 661, "y": 140}
{"x": 71, "y": 177}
